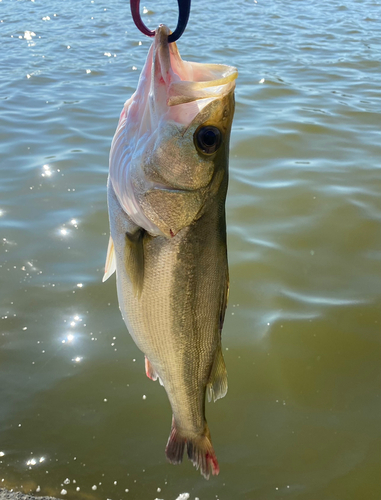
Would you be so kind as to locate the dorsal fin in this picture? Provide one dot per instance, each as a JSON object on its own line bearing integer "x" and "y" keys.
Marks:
{"x": 224, "y": 300}
{"x": 218, "y": 381}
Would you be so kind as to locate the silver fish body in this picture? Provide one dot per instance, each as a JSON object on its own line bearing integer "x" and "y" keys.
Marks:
{"x": 166, "y": 196}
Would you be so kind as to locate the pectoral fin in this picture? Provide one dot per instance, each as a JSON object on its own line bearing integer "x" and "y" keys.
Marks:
{"x": 218, "y": 382}
{"x": 134, "y": 259}
{"x": 110, "y": 265}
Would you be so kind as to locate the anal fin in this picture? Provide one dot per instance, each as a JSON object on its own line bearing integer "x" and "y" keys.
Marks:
{"x": 218, "y": 382}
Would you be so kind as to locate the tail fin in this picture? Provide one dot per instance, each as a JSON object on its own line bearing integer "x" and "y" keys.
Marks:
{"x": 200, "y": 450}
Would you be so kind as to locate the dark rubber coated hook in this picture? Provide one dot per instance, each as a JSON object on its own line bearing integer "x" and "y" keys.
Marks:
{"x": 184, "y": 9}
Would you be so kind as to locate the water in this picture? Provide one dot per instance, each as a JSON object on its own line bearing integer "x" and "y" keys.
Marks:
{"x": 302, "y": 333}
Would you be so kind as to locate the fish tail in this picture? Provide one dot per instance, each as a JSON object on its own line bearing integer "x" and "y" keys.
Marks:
{"x": 199, "y": 449}
{"x": 201, "y": 453}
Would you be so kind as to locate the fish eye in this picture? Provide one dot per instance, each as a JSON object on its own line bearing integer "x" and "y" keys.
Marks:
{"x": 207, "y": 139}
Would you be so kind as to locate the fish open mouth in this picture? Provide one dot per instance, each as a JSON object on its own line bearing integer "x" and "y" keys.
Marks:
{"x": 185, "y": 82}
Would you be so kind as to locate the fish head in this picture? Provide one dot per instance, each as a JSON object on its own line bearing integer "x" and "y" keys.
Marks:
{"x": 176, "y": 131}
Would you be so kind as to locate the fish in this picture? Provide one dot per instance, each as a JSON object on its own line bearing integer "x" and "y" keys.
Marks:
{"x": 166, "y": 192}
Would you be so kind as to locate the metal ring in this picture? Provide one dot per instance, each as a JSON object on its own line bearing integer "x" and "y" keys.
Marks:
{"x": 184, "y": 10}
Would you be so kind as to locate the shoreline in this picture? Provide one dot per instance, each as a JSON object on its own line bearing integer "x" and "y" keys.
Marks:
{"x": 17, "y": 495}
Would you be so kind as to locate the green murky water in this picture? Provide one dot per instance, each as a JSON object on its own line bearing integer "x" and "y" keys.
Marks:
{"x": 302, "y": 335}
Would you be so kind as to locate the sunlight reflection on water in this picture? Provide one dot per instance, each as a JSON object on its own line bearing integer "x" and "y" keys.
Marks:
{"x": 302, "y": 331}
